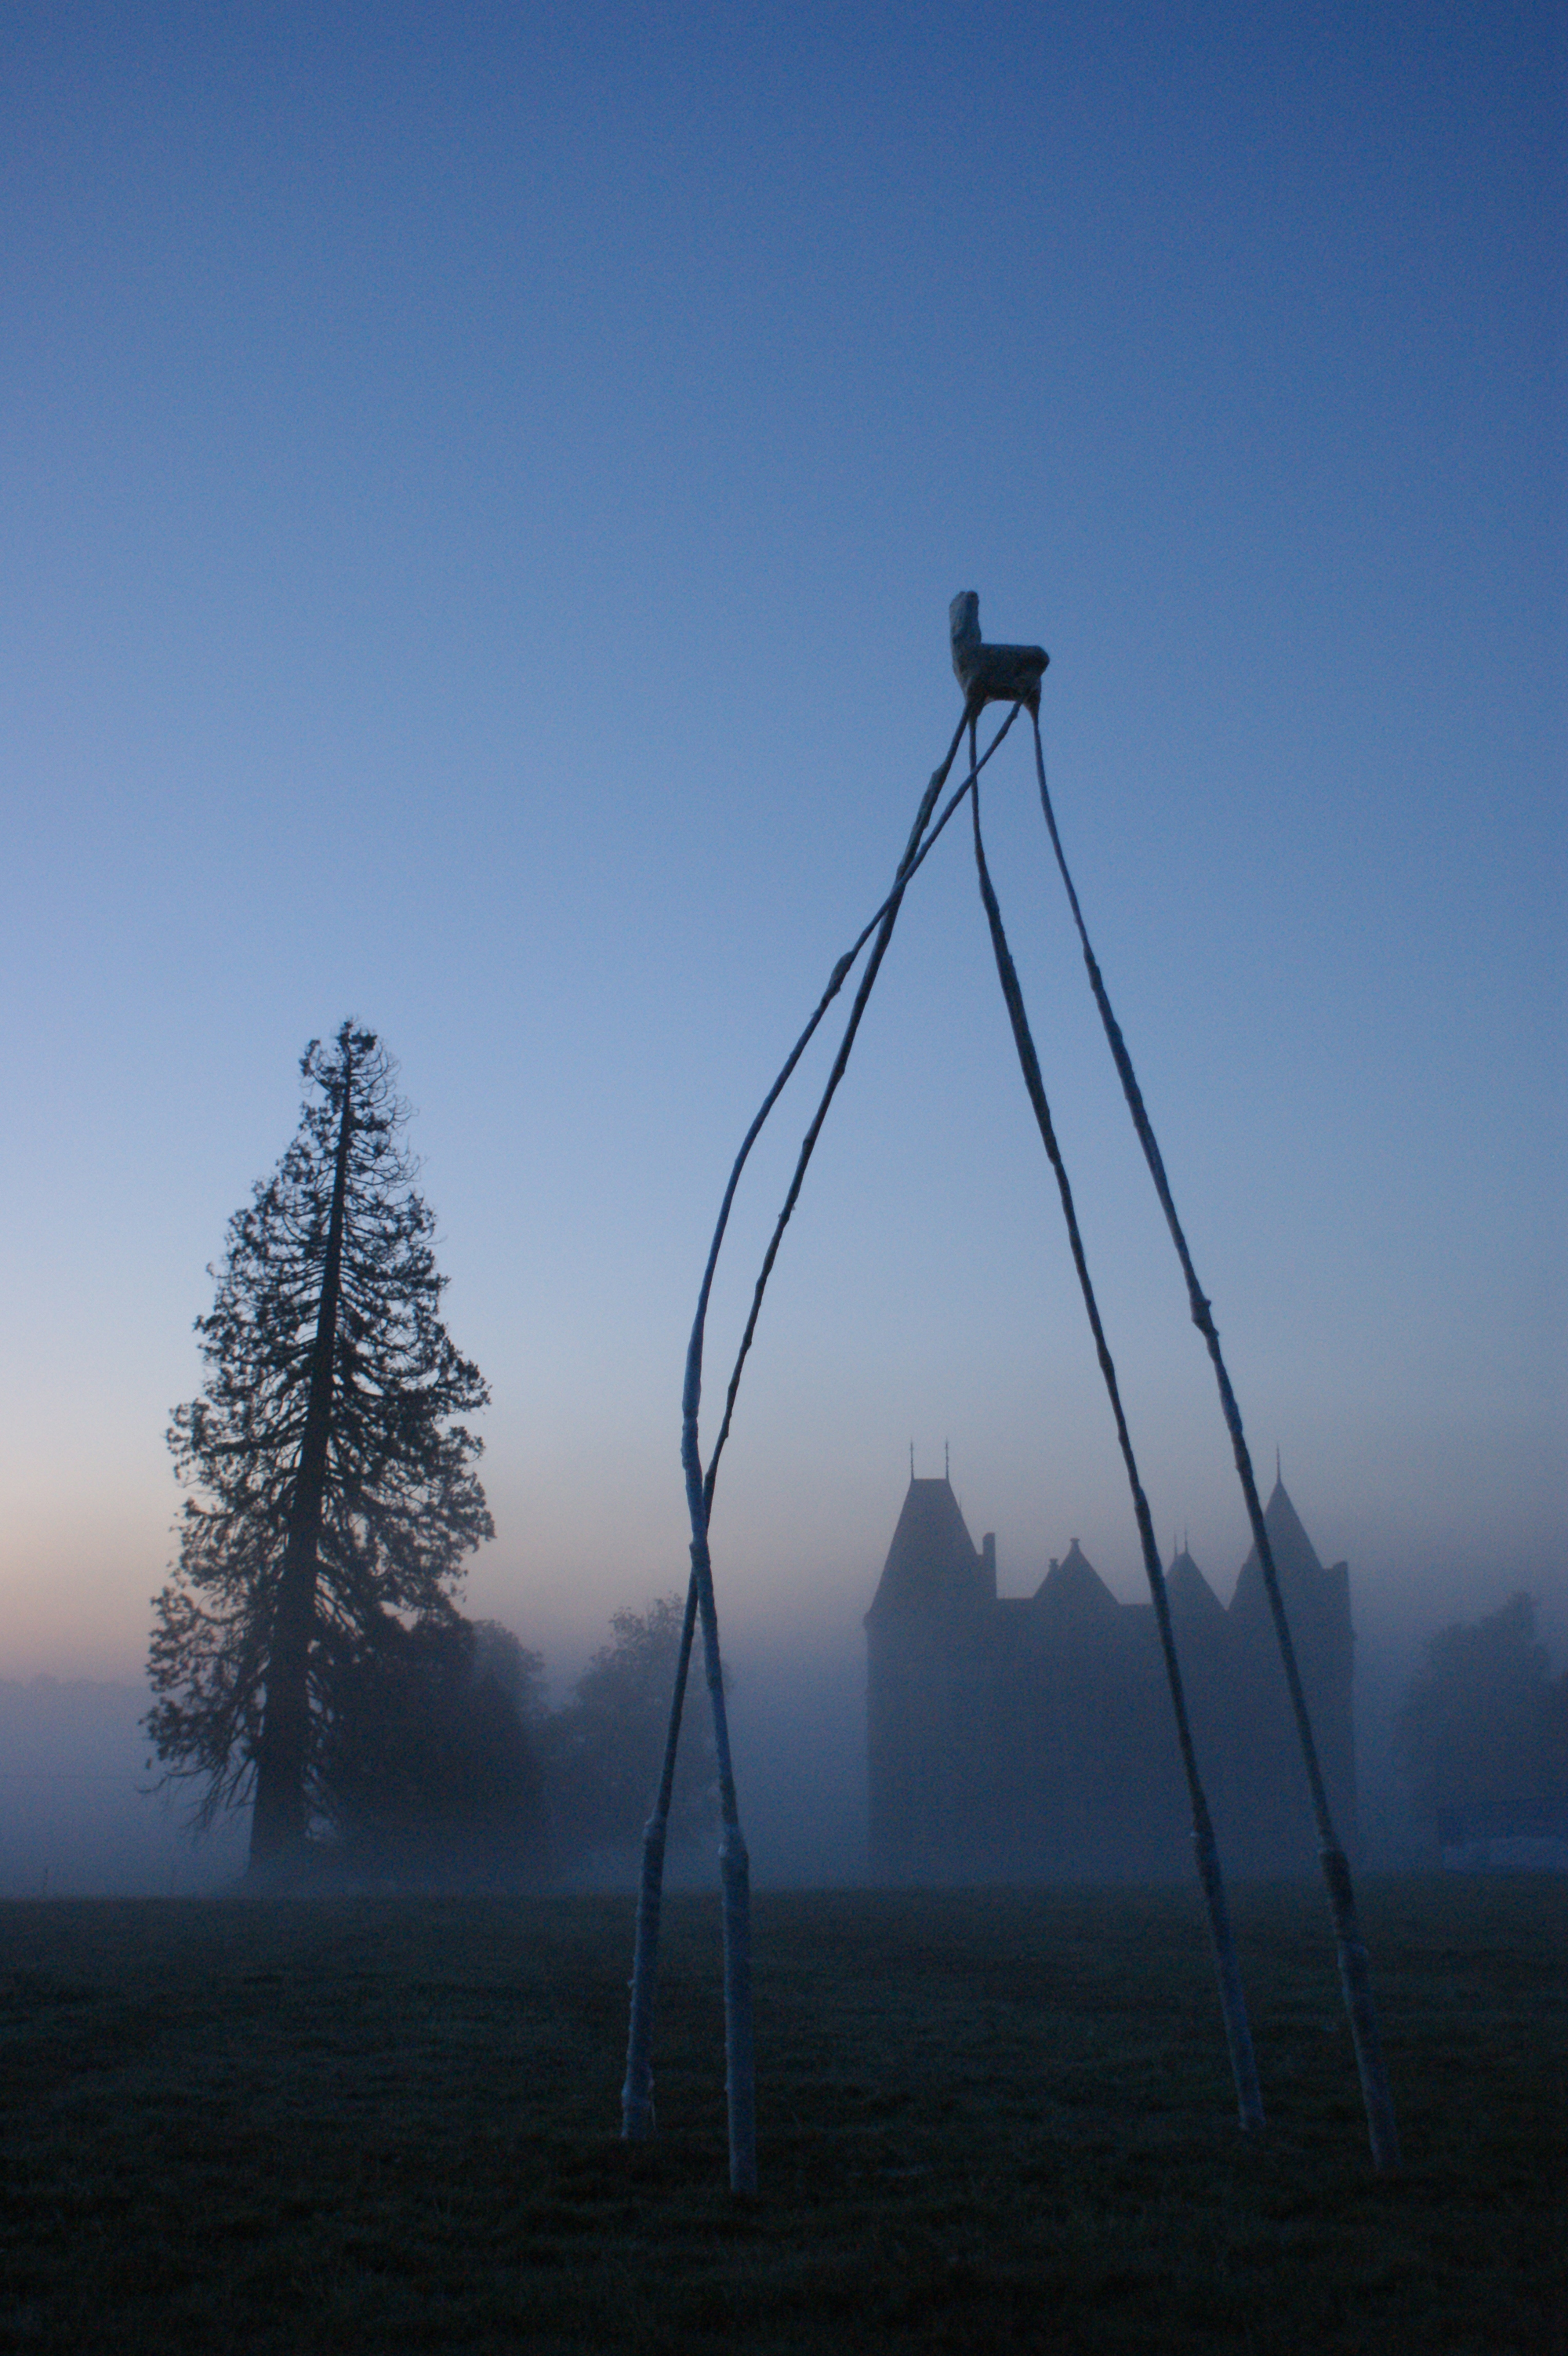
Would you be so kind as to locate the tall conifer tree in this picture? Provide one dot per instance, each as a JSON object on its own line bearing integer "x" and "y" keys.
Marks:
{"x": 330, "y": 1486}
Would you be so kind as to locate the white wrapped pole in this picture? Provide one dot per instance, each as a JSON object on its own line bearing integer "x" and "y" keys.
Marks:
{"x": 734, "y": 1867}
{"x": 1355, "y": 1974}
{"x": 1233, "y": 1999}
{"x": 734, "y": 1873}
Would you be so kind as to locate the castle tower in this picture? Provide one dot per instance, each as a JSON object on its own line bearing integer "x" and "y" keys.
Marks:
{"x": 1266, "y": 1810}
{"x": 1033, "y": 1734}
{"x": 929, "y": 1742}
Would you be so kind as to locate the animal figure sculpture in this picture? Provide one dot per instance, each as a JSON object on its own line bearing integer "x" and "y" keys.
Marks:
{"x": 991, "y": 674}
{"x": 1010, "y": 675}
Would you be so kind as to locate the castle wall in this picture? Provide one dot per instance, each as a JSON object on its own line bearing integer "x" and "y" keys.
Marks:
{"x": 1035, "y": 1737}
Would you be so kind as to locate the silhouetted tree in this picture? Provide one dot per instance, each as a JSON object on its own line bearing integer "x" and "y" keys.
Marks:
{"x": 429, "y": 1771}
{"x": 330, "y": 1485}
{"x": 604, "y": 1749}
{"x": 1483, "y": 1727}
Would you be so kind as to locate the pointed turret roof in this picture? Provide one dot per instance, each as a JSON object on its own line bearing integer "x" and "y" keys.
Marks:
{"x": 1075, "y": 1589}
{"x": 1191, "y": 1596}
{"x": 1286, "y": 1534}
{"x": 932, "y": 1560}
{"x": 1295, "y": 1557}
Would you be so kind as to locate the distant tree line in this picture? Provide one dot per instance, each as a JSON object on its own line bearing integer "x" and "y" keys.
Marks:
{"x": 443, "y": 1766}
{"x": 1483, "y": 1729}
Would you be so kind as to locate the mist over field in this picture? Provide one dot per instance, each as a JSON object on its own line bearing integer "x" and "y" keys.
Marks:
{"x": 79, "y": 1814}
{"x": 76, "y": 1819}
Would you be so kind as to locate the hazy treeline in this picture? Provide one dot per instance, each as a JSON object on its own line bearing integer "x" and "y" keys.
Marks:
{"x": 1482, "y": 1732}
{"x": 462, "y": 1773}
{"x": 1483, "y": 1724}
{"x": 441, "y": 1762}
{"x": 442, "y": 1766}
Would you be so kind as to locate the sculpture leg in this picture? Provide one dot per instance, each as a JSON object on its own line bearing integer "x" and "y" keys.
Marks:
{"x": 734, "y": 1868}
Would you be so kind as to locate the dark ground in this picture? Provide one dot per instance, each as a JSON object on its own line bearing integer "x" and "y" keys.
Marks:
{"x": 989, "y": 2120}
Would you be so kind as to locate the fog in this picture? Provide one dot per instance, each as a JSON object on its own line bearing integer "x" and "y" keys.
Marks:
{"x": 79, "y": 1815}
{"x": 78, "y": 1819}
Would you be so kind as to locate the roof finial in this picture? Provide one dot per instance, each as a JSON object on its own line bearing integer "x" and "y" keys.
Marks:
{"x": 947, "y": 1461}
{"x": 1278, "y": 1482}
{"x": 911, "y": 1459}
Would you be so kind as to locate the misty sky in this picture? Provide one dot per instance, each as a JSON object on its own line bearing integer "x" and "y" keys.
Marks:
{"x": 483, "y": 489}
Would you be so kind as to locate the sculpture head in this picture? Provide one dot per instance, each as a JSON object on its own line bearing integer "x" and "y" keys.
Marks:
{"x": 963, "y": 622}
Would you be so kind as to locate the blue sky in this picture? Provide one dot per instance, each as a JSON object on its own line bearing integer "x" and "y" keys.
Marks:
{"x": 484, "y": 487}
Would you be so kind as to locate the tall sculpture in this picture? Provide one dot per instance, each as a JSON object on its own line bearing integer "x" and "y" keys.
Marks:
{"x": 1010, "y": 675}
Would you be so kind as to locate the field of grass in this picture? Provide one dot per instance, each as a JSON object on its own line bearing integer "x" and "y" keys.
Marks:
{"x": 988, "y": 2120}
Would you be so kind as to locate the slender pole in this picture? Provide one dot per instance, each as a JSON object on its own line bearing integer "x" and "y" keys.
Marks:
{"x": 1232, "y": 1997}
{"x": 890, "y": 907}
{"x": 638, "y": 2119}
{"x": 735, "y": 1877}
{"x": 735, "y": 1865}
{"x": 1355, "y": 1972}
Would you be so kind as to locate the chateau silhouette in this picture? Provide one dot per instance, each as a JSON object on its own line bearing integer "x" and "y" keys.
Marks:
{"x": 1033, "y": 1736}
